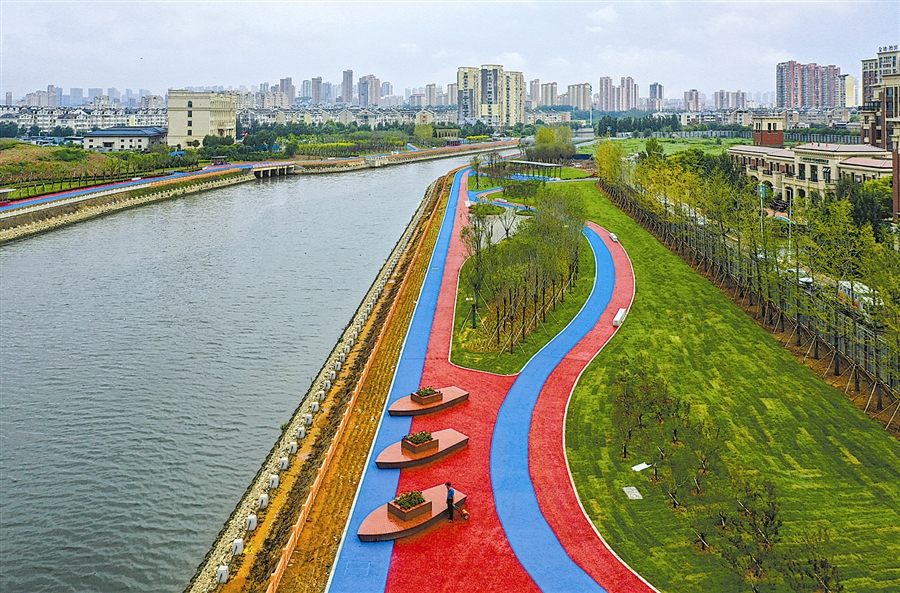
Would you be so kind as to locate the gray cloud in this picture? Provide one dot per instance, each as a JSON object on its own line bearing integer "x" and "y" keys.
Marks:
{"x": 160, "y": 45}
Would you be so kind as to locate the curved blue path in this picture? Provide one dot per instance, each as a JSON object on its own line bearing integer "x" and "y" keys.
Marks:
{"x": 364, "y": 566}
{"x": 528, "y": 532}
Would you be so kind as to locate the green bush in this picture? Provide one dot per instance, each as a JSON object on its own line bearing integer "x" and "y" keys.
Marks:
{"x": 419, "y": 437}
{"x": 408, "y": 500}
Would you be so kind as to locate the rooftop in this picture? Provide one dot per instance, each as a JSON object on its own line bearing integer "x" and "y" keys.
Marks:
{"x": 128, "y": 131}
{"x": 838, "y": 148}
{"x": 859, "y": 161}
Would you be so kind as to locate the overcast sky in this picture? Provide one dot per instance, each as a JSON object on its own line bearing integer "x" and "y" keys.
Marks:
{"x": 159, "y": 45}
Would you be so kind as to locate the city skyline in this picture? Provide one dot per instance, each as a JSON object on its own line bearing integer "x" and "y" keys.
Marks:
{"x": 734, "y": 45}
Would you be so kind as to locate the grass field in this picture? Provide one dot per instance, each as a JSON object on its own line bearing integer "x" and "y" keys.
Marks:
{"x": 674, "y": 145}
{"x": 573, "y": 173}
{"x": 510, "y": 363}
{"x": 831, "y": 466}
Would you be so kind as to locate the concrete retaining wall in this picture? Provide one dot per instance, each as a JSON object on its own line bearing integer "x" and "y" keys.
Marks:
{"x": 205, "y": 580}
{"x": 45, "y": 217}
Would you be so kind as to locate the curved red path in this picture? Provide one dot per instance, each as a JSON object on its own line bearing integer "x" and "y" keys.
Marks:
{"x": 548, "y": 466}
{"x": 476, "y": 555}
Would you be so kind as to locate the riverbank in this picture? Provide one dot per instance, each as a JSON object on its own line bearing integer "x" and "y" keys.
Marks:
{"x": 19, "y": 223}
{"x": 316, "y": 425}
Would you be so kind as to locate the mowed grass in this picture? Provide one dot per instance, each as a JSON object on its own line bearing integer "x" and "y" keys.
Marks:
{"x": 831, "y": 466}
{"x": 506, "y": 363}
{"x": 675, "y": 145}
{"x": 573, "y": 173}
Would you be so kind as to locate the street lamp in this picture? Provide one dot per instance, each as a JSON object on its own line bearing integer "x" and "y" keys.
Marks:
{"x": 474, "y": 309}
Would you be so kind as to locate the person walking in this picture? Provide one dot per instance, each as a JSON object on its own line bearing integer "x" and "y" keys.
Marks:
{"x": 450, "y": 494}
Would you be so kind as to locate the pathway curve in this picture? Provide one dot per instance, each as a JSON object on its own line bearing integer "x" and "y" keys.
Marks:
{"x": 528, "y": 531}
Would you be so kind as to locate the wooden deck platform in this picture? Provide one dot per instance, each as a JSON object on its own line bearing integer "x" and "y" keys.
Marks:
{"x": 394, "y": 457}
{"x": 379, "y": 526}
{"x": 405, "y": 406}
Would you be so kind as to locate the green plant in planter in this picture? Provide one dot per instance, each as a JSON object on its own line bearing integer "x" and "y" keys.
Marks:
{"x": 427, "y": 391}
{"x": 408, "y": 500}
{"x": 419, "y": 437}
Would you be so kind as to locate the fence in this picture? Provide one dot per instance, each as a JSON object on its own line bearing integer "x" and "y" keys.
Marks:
{"x": 817, "y": 318}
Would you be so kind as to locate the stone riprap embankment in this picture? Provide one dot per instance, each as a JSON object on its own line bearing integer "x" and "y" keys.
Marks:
{"x": 221, "y": 561}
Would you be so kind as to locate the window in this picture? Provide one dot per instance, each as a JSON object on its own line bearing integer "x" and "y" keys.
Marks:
{"x": 813, "y": 173}
{"x": 190, "y": 104}
{"x": 190, "y": 132}
{"x": 189, "y": 123}
{"x": 190, "y": 114}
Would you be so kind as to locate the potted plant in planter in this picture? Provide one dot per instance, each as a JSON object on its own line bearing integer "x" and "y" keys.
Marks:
{"x": 426, "y": 395}
{"x": 418, "y": 442}
{"x": 409, "y": 505}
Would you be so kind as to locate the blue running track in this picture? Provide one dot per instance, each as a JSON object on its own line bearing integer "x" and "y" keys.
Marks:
{"x": 528, "y": 532}
{"x": 364, "y": 566}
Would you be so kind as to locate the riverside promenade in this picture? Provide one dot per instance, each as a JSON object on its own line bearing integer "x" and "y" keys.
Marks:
{"x": 528, "y": 530}
{"x": 26, "y": 217}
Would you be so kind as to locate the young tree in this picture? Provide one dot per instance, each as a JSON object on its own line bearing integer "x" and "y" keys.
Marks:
{"x": 810, "y": 567}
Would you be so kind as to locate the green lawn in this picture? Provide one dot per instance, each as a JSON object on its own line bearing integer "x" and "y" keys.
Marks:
{"x": 506, "y": 363}
{"x": 831, "y": 466}
{"x": 573, "y": 173}
{"x": 674, "y": 145}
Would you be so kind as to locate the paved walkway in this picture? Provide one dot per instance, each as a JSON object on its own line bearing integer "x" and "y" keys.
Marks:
{"x": 527, "y": 531}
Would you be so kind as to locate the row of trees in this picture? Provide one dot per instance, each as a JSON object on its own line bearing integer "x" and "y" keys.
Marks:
{"x": 71, "y": 167}
{"x": 830, "y": 274}
{"x": 738, "y": 519}
{"x": 517, "y": 281}
{"x": 552, "y": 145}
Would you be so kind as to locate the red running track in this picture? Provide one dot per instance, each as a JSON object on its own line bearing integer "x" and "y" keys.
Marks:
{"x": 475, "y": 554}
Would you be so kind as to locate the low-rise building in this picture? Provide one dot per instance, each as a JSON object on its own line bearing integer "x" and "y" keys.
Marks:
{"x": 124, "y": 138}
{"x": 795, "y": 174}
{"x": 195, "y": 115}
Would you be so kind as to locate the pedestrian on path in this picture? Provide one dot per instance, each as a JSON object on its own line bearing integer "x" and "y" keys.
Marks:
{"x": 450, "y": 494}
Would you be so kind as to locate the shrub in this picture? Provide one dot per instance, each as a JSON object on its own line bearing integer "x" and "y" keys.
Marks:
{"x": 418, "y": 437}
{"x": 408, "y": 500}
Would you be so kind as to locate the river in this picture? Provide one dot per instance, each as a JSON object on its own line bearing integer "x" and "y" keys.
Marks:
{"x": 149, "y": 358}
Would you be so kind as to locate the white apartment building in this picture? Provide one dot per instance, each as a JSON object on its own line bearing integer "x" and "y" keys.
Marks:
{"x": 194, "y": 115}
{"x": 490, "y": 95}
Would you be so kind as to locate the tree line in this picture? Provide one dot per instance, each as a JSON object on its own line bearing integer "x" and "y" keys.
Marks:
{"x": 516, "y": 282}
{"x": 830, "y": 275}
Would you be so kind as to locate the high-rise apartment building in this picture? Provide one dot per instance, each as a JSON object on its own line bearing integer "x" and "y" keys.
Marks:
{"x": 491, "y": 95}
{"x": 387, "y": 89}
{"x": 513, "y": 98}
{"x": 549, "y": 96}
{"x": 76, "y": 96}
{"x": 692, "y": 100}
{"x": 468, "y": 84}
{"x": 846, "y": 91}
{"x": 617, "y": 98}
{"x": 315, "y": 91}
{"x": 605, "y": 96}
{"x": 93, "y": 93}
{"x": 800, "y": 86}
{"x": 369, "y": 90}
{"x": 9, "y": 100}
{"x": 886, "y": 63}
{"x": 347, "y": 87}
{"x": 305, "y": 88}
{"x": 452, "y": 93}
{"x": 579, "y": 96}
{"x": 534, "y": 91}
{"x": 193, "y": 115}
{"x": 657, "y": 97}
{"x": 430, "y": 95}
{"x": 730, "y": 99}
{"x": 286, "y": 86}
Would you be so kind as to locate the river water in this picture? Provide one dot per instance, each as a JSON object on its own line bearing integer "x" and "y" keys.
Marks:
{"x": 149, "y": 358}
